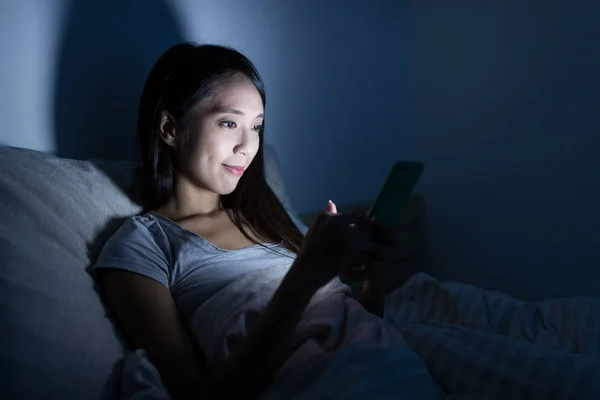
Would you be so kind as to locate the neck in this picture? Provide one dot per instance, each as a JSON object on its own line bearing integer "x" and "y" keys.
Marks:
{"x": 190, "y": 200}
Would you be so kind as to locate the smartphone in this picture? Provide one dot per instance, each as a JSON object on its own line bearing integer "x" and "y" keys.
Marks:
{"x": 395, "y": 192}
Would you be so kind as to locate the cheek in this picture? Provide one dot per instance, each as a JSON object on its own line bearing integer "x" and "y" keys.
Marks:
{"x": 255, "y": 144}
{"x": 213, "y": 148}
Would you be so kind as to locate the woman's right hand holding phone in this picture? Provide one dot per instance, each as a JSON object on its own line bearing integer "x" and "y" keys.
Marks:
{"x": 335, "y": 243}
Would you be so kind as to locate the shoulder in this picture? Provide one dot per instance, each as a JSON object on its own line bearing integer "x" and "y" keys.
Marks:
{"x": 139, "y": 245}
{"x": 140, "y": 225}
{"x": 140, "y": 233}
{"x": 145, "y": 223}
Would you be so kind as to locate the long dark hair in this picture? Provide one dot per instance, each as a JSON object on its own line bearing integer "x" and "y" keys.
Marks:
{"x": 185, "y": 75}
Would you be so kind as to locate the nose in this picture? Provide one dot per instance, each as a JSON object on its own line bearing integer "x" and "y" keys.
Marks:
{"x": 240, "y": 148}
{"x": 244, "y": 143}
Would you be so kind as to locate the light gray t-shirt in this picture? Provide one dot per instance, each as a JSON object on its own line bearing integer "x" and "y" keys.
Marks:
{"x": 190, "y": 266}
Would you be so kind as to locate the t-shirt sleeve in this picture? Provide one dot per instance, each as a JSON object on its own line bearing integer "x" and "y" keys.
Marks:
{"x": 138, "y": 246}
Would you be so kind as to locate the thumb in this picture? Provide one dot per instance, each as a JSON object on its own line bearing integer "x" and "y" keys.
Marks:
{"x": 331, "y": 207}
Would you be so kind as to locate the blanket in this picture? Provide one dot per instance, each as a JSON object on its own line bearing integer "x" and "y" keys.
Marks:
{"x": 436, "y": 340}
{"x": 485, "y": 344}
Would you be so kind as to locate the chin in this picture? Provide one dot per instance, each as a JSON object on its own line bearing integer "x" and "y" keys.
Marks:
{"x": 226, "y": 190}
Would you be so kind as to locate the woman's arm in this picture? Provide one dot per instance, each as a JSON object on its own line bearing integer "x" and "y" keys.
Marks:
{"x": 146, "y": 312}
{"x": 148, "y": 317}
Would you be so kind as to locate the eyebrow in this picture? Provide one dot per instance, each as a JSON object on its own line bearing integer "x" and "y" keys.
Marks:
{"x": 231, "y": 110}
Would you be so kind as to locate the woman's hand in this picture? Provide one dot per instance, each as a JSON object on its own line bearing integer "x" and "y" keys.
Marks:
{"x": 374, "y": 270}
{"x": 385, "y": 253}
{"x": 335, "y": 243}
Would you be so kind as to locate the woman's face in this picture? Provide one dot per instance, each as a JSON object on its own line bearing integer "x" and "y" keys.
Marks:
{"x": 223, "y": 137}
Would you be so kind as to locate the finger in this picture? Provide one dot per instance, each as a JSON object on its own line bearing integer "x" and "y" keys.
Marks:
{"x": 356, "y": 273}
{"x": 331, "y": 207}
{"x": 376, "y": 269}
{"x": 359, "y": 238}
{"x": 355, "y": 219}
{"x": 378, "y": 253}
{"x": 359, "y": 268}
{"x": 373, "y": 270}
{"x": 319, "y": 224}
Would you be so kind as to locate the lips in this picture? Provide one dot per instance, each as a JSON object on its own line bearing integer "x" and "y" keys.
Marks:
{"x": 235, "y": 170}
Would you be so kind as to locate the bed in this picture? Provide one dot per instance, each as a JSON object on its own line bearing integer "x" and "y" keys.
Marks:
{"x": 58, "y": 341}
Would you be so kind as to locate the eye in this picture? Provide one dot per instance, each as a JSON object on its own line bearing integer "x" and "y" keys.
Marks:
{"x": 257, "y": 128}
{"x": 229, "y": 124}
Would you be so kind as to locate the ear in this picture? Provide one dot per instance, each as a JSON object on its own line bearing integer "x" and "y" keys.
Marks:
{"x": 167, "y": 129}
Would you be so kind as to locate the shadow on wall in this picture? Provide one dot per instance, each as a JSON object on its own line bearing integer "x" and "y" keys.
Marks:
{"x": 107, "y": 51}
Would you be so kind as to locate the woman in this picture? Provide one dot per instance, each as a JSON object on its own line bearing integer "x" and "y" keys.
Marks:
{"x": 212, "y": 219}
